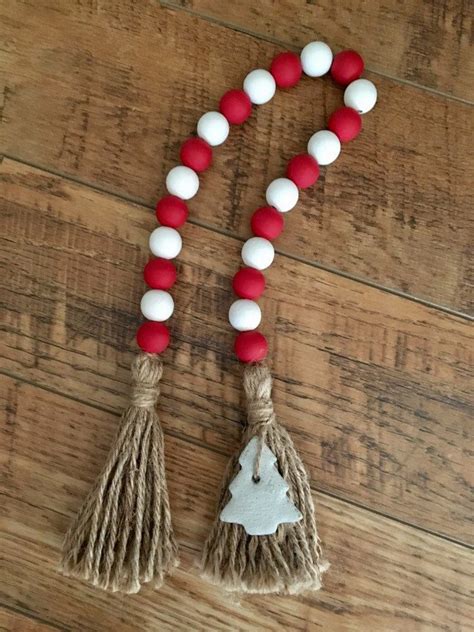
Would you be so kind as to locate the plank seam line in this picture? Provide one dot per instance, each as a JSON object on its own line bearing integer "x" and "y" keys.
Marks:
{"x": 191, "y": 441}
{"x": 170, "y": 5}
{"x": 313, "y": 264}
{"x": 33, "y": 616}
{"x": 69, "y": 516}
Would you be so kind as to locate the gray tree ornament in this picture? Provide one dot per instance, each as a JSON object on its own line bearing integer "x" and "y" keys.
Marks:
{"x": 263, "y": 504}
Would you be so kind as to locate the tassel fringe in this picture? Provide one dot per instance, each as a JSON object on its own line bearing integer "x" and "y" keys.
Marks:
{"x": 289, "y": 561}
{"x": 122, "y": 536}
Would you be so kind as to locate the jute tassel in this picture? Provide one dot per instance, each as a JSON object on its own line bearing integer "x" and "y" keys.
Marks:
{"x": 289, "y": 561}
{"x": 122, "y": 536}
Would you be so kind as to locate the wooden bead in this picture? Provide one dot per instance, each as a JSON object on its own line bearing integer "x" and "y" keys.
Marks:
{"x": 213, "y": 127}
{"x": 249, "y": 283}
{"x": 267, "y": 222}
{"x": 251, "y": 346}
{"x": 258, "y": 253}
{"x": 171, "y": 211}
{"x": 236, "y": 106}
{"x": 286, "y": 69}
{"x": 153, "y": 337}
{"x": 361, "y": 95}
{"x": 303, "y": 170}
{"x": 159, "y": 274}
{"x": 283, "y": 194}
{"x": 316, "y": 59}
{"x": 244, "y": 315}
{"x": 182, "y": 182}
{"x": 157, "y": 305}
{"x": 196, "y": 154}
{"x": 260, "y": 86}
{"x": 346, "y": 123}
{"x": 165, "y": 242}
{"x": 324, "y": 146}
{"x": 346, "y": 67}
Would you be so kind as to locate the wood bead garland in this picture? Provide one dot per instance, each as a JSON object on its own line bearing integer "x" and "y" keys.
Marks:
{"x": 122, "y": 536}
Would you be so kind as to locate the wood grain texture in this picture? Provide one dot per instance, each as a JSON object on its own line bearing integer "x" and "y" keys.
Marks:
{"x": 428, "y": 43}
{"x": 108, "y": 95}
{"x": 13, "y": 621}
{"x": 375, "y": 389}
{"x": 385, "y": 576}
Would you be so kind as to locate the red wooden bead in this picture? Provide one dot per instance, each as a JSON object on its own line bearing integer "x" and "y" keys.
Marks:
{"x": 196, "y": 154}
{"x": 251, "y": 346}
{"x": 236, "y": 106}
{"x": 346, "y": 123}
{"x": 286, "y": 69}
{"x": 347, "y": 66}
{"x": 248, "y": 283}
{"x": 153, "y": 337}
{"x": 171, "y": 211}
{"x": 159, "y": 274}
{"x": 303, "y": 170}
{"x": 267, "y": 222}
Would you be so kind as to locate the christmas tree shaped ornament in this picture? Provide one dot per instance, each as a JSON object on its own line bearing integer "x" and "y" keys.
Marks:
{"x": 259, "y": 494}
{"x": 268, "y": 542}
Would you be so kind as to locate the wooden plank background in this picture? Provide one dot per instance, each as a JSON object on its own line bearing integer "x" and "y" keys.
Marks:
{"x": 368, "y": 309}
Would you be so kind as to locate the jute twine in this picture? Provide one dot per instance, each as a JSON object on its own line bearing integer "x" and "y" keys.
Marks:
{"x": 122, "y": 536}
{"x": 290, "y": 560}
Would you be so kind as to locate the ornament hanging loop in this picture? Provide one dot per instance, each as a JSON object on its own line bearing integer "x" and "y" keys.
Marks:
{"x": 260, "y": 413}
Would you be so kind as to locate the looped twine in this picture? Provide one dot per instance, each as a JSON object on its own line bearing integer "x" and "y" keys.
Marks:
{"x": 260, "y": 413}
{"x": 144, "y": 396}
{"x": 147, "y": 370}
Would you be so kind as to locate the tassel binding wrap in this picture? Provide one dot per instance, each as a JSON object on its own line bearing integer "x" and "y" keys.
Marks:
{"x": 290, "y": 560}
{"x": 122, "y": 536}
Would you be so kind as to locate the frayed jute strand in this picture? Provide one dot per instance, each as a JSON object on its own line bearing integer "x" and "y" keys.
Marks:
{"x": 122, "y": 536}
{"x": 290, "y": 560}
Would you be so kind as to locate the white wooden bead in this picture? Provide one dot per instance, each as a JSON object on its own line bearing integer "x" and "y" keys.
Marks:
{"x": 258, "y": 253}
{"x": 157, "y": 305}
{"x": 283, "y": 194}
{"x": 165, "y": 242}
{"x": 316, "y": 59}
{"x": 182, "y": 182}
{"x": 244, "y": 315}
{"x": 324, "y": 146}
{"x": 213, "y": 127}
{"x": 260, "y": 86}
{"x": 361, "y": 95}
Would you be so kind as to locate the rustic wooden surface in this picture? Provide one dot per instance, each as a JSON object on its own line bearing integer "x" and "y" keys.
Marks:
{"x": 367, "y": 308}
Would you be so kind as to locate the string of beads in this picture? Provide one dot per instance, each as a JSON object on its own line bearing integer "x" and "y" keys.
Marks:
{"x": 182, "y": 184}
